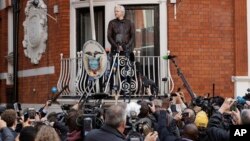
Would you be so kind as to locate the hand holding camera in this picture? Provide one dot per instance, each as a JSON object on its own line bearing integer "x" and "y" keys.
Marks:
{"x": 152, "y": 136}
{"x": 226, "y": 106}
{"x": 236, "y": 119}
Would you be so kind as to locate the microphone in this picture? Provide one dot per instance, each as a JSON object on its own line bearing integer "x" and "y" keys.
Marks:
{"x": 118, "y": 39}
{"x": 131, "y": 57}
{"x": 241, "y": 100}
{"x": 166, "y": 57}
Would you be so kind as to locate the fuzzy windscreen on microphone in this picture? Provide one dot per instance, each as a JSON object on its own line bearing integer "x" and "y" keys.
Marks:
{"x": 133, "y": 108}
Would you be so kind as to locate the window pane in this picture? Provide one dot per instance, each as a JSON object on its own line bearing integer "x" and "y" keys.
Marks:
{"x": 146, "y": 31}
{"x": 83, "y": 31}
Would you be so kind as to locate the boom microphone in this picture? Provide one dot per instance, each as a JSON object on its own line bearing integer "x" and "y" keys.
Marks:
{"x": 165, "y": 57}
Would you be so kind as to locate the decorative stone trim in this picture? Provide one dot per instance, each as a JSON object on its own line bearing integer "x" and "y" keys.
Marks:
{"x": 35, "y": 30}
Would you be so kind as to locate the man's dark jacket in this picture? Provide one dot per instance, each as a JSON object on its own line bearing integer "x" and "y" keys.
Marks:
{"x": 216, "y": 131}
{"x": 105, "y": 133}
{"x": 121, "y": 33}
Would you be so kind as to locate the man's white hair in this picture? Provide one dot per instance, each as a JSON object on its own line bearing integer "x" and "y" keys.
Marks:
{"x": 122, "y": 8}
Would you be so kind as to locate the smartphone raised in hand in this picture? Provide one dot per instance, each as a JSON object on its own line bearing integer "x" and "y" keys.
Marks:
{"x": 234, "y": 106}
{"x": 173, "y": 108}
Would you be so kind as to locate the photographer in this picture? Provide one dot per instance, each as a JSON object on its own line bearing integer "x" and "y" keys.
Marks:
{"x": 171, "y": 121}
{"x": 216, "y": 130}
{"x": 190, "y": 130}
{"x": 115, "y": 123}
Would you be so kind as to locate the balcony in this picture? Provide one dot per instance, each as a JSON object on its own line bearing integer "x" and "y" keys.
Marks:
{"x": 139, "y": 77}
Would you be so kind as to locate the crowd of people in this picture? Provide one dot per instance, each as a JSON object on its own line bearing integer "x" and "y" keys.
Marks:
{"x": 161, "y": 119}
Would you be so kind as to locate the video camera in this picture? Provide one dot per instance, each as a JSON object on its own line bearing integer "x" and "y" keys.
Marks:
{"x": 87, "y": 121}
{"x": 139, "y": 128}
{"x": 138, "y": 125}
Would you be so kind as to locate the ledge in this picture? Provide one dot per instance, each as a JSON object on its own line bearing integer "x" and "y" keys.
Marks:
{"x": 240, "y": 78}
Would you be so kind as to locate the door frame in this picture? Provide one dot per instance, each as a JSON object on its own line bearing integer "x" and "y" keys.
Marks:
{"x": 109, "y": 15}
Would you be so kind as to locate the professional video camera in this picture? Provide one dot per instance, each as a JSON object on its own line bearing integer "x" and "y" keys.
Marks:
{"x": 243, "y": 102}
{"x": 140, "y": 129}
{"x": 91, "y": 116}
{"x": 206, "y": 104}
{"x": 137, "y": 128}
{"x": 89, "y": 122}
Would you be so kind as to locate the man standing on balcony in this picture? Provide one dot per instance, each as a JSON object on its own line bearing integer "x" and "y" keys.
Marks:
{"x": 121, "y": 32}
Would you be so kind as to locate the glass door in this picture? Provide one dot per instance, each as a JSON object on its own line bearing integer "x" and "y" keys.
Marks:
{"x": 146, "y": 21}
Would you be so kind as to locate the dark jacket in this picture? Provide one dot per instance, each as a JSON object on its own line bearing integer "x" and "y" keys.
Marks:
{"x": 13, "y": 132}
{"x": 105, "y": 133}
{"x": 6, "y": 134}
{"x": 61, "y": 129}
{"x": 216, "y": 131}
{"x": 164, "y": 133}
{"x": 121, "y": 33}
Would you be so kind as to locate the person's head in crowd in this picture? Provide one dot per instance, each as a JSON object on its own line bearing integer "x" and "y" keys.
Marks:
{"x": 10, "y": 117}
{"x": 190, "y": 131}
{"x": 166, "y": 102}
{"x": 119, "y": 11}
{"x": 28, "y": 133}
{"x": 52, "y": 117}
{"x": 29, "y": 114}
{"x": 144, "y": 110}
{"x": 245, "y": 116}
{"x": 115, "y": 116}
{"x": 157, "y": 103}
{"x": 201, "y": 120}
{"x": 38, "y": 125}
{"x": 133, "y": 109}
{"x": 190, "y": 117}
{"x": 47, "y": 133}
{"x": 70, "y": 120}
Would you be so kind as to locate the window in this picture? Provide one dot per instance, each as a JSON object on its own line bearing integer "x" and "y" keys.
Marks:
{"x": 144, "y": 17}
{"x": 146, "y": 21}
{"x": 83, "y": 28}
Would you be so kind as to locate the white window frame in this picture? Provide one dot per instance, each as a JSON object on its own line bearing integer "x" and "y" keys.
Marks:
{"x": 109, "y": 15}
